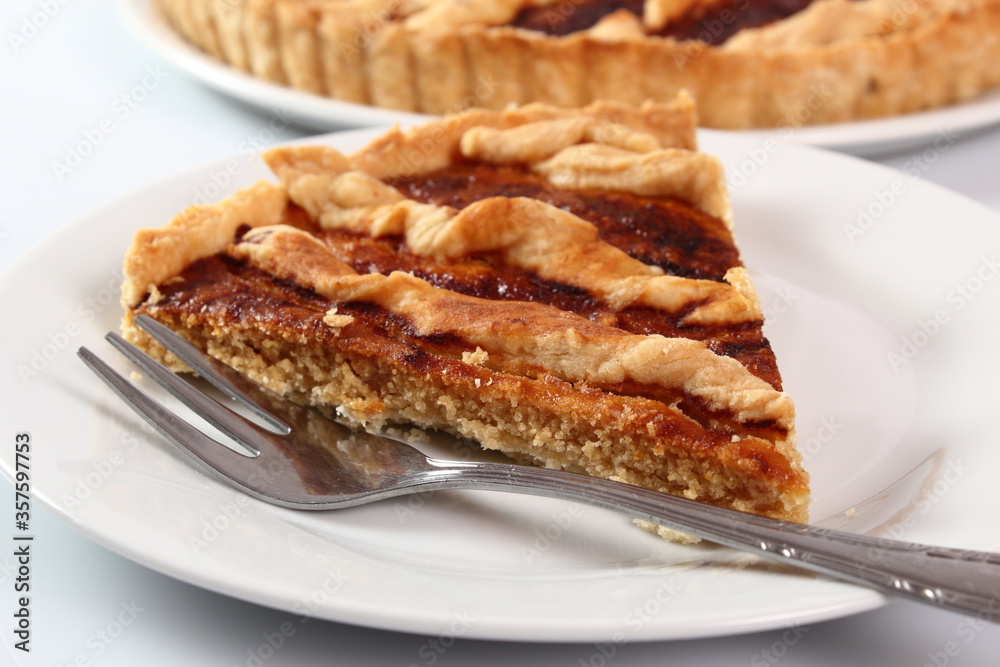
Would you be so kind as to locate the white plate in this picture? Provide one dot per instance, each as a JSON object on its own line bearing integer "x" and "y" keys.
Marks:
{"x": 871, "y": 138}
{"x": 510, "y": 567}
{"x": 863, "y": 138}
{"x": 314, "y": 111}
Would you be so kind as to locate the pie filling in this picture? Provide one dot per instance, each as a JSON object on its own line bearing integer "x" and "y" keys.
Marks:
{"x": 489, "y": 277}
{"x": 221, "y": 290}
{"x": 711, "y": 22}
{"x": 659, "y": 232}
{"x": 226, "y": 290}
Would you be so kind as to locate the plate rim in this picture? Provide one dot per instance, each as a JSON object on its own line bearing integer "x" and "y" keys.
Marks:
{"x": 858, "y": 601}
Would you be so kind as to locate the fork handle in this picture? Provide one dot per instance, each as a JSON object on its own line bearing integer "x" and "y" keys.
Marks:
{"x": 959, "y": 580}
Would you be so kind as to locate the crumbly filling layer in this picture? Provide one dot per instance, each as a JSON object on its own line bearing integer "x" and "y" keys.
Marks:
{"x": 380, "y": 373}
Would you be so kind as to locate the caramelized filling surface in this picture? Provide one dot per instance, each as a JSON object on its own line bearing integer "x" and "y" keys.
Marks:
{"x": 565, "y": 18}
{"x": 717, "y": 22}
{"x": 678, "y": 238}
{"x": 489, "y": 277}
{"x": 711, "y": 22}
{"x": 667, "y": 233}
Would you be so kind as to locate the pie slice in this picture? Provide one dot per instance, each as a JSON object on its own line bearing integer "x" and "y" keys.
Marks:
{"x": 748, "y": 63}
{"x": 562, "y": 286}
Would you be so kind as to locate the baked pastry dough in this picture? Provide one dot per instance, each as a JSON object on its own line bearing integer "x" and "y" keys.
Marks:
{"x": 748, "y": 63}
{"x": 560, "y": 285}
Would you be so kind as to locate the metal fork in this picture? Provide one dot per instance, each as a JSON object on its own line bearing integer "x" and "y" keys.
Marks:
{"x": 305, "y": 461}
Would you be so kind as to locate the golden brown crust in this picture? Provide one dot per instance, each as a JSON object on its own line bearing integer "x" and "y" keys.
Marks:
{"x": 836, "y": 60}
{"x": 586, "y": 149}
{"x": 280, "y": 302}
{"x": 199, "y": 231}
{"x": 434, "y": 146}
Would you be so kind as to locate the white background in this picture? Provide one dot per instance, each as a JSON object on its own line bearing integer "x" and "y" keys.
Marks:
{"x": 66, "y": 79}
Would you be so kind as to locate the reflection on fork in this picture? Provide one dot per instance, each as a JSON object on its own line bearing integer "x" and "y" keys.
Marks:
{"x": 892, "y": 507}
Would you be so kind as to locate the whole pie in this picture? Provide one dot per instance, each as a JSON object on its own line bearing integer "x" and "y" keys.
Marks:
{"x": 748, "y": 63}
{"x": 559, "y": 285}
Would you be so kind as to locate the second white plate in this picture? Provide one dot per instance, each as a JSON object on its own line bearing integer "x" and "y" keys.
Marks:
{"x": 863, "y": 138}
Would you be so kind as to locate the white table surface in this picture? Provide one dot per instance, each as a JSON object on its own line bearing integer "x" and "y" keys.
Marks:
{"x": 61, "y": 81}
